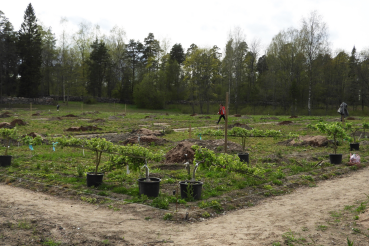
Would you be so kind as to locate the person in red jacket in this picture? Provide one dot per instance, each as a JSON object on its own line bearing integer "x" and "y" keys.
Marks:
{"x": 222, "y": 112}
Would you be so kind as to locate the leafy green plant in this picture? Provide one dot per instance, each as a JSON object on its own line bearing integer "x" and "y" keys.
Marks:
{"x": 334, "y": 131}
{"x": 352, "y": 131}
{"x": 8, "y": 134}
{"x": 168, "y": 216}
{"x": 160, "y": 202}
{"x": 365, "y": 126}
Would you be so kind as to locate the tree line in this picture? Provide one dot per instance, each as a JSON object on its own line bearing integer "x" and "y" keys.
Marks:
{"x": 297, "y": 71}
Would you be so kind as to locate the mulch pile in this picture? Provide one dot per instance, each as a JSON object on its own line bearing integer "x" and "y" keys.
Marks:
{"x": 36, "y": 114}
{"x": 285, "y": 122}
{"x": 237, "y": 115}
{"x": 71, "y": 115}
{"x": 82, "y": 129}
{"x": 352, "y": 118}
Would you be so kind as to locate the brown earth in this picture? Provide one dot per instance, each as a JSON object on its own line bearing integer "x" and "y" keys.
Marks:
{"x": 70, "y": 115}
{"x": 178, "y": 153}
{"x": 286, "y": 122}
{"x": 294, "y": 116}
{"x": 5, "y": 125}
{"x": 237, "y": 124}
{"x": 18, "y": 122}
{"x": 82, "y": 128}
{"x": 33, "y": 218}
{"x": 270, "y": 118}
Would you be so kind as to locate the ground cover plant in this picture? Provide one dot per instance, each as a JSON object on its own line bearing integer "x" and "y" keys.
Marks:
{"x": 274, "y": 169}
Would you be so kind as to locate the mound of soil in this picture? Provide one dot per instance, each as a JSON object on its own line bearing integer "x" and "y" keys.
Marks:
{"x": 5, "y": 115}
{"x": 177, "y": 154}
{"x": 36, "y": 114}
{"x": 204, "y": 117}
{"x": 90, "y": 112}
{"x": 121, "y": 114}
{"x": 286, "y": 122}
{"x": 294, "y": 116}
{"x": 237, "y": 124}
{"x": 5, "y": 125}
{"x": 18, "y": 122}
{"x": 237, "y": 115}
{"x": 82, "y": 129}
{"x": 97, "y": 121}
{"x": 145, "y": 131}
{"x": 318, "y": 141}
{"x": 55, "y": 118}
{"x": 33, "y": 134}
{"x": 270, "y": 118}
{"x": 113, "y": 118}
{"x": 146, "y": 139}
{"x": 71, "y": 115}
{"x": 352, "y": 118}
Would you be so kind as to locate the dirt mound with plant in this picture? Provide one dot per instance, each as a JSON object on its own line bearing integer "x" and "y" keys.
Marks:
{"x": 145, "y": 131}
{"x": 146, "y": 139}
{"x": 286, "y": 122}
{"x": 178, "y": 153}
{"x": 18, "y": 122}
{"x": 317, "y": 141}
{"x": 90, "y": 112}
{"x": 293, "y": 116}
{"x": 36, "y": 114}
{"x": 70, "y": 115}
{"x": 237, "y": 124}
{"x": 82, "y": 129}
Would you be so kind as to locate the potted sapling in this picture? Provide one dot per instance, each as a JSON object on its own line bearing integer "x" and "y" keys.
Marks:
{"x": 191, "y": 189}
{"x": 7, "y": 135}
{"x": 354, "y": 145}
{"x": 334, "y": 131}
{"x": 98, "y": 145}
{"x": 243, "y": 133}
{"x": 365, "y": 126}
{"x": 134, "y": 156}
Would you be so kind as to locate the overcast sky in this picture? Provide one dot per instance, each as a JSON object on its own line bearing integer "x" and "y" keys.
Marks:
{"x": 203, "y": 22}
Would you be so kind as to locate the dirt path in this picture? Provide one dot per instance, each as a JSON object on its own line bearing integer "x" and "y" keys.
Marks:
{"x": 75, "y": 222}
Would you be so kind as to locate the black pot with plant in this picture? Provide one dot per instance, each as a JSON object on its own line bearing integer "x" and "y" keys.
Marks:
{"x": 334, "y": 131}
{"x": 149, "y": 186}
{"x": 355, "y": 145}
{"x": 243, "y": 133}
{"x": 191, "y": 189}
{"x": 7, "y": 135}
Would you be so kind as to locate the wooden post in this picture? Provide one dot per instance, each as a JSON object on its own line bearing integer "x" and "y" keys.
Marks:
{"x": 189, "y": 132}
{"x": 226, "y": 125}
{"x": 31, "y": 108}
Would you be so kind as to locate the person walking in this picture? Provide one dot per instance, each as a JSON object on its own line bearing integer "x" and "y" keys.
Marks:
{"x": 222, "y": 112}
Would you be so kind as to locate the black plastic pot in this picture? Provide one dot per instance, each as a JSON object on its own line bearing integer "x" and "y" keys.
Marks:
{"x": 5, "y": 160}
{"x": 149, "y": 188}
{"x": 94, "y": 179}
{"x": 191, "y": 188}
{"x": 335, "y": 158}
{"x": 244, "y": 157}
{"x": 354, "y": 146}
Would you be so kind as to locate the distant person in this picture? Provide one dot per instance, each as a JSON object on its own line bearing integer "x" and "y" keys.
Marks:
{"x": 57, "y": 107}
{"x": 342, "y": 110}
{"x": 222, "y": 112}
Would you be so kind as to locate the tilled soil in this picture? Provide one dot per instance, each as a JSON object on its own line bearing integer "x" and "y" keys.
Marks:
{"x": 33, "y": 218}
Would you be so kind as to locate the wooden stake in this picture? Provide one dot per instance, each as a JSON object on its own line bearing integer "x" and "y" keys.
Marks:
{"x": 226, "y": 125}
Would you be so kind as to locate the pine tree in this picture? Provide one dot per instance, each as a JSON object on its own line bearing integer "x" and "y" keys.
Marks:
{"x": 30, "y": 48}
